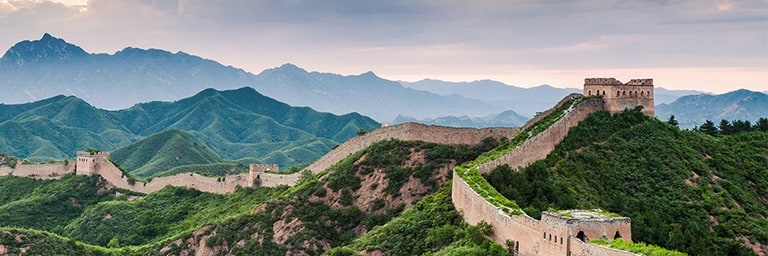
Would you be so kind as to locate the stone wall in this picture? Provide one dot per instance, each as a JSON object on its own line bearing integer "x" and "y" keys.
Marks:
{"x": 274, "y": 180}
{"x": 553, "y": 234}
{"x": 410, "y": 132}
{"x": 539, "y": 146}
{"x": 581, "y": 248}
{"x": 39, "y": 171}
{"x": 521, "y": 230}
{"x": 99, "y": 164}
{"x": 619, "y": 96}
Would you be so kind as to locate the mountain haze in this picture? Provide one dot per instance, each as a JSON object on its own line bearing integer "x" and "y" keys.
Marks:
{"x": 507, "y": 118}
{"x": 39, "y": 69}
{"x": 32, "y": 70}
{"x": 694, "y": 110}
{"x": 366, "y": 93}
{"x": 521, "y": 100}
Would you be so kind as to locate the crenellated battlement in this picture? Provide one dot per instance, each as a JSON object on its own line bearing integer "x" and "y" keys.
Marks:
{"x": 619, "y": 96}
{"x": 602, "y": 81}
{"x": 262, "y": 168}
{"x": 93, "y": 154}
{"x": 646, "y": 81}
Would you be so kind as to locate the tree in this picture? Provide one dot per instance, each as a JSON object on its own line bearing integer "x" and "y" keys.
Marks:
{"x": 672, "y": 121}
{"x": 725, "y": 127}
{"x": 114, "y": 242}
{"x": 709, "y": 128}
{"x": 761, "y": 124}
{"x": 361, "y": 132}
{"x": 741, "y": 126}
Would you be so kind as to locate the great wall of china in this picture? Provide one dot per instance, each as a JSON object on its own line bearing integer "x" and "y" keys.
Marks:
{"x": 99, "y": 163}
{"x": 562, "y": 233}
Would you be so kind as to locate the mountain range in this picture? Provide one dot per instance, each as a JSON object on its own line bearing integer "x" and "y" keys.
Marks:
{"x": 50, "y": 66}
{"x": 235, "y": 124}
{"x": 694, "y": 110}
{"x": 33, "y": 70}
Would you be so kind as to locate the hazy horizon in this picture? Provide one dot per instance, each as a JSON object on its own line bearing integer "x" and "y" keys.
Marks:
{"x": 712, "y": 46}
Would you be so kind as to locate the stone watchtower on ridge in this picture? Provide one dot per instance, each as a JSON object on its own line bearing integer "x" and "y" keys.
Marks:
{"x": 88, "y": 162}
{"x": 256, "y": 170}
{"x": 619, "y": 96}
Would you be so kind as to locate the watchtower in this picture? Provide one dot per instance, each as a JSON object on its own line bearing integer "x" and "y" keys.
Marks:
{"x": 87, "y": 162}
{"x": 619, "y": 96}
{"x": 255, "y": 171}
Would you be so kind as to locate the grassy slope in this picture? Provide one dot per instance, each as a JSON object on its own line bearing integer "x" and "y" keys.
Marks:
{"x": 161, "y": 152}
{"x": 48, "y": 205}
{"x": 683, "y": 190}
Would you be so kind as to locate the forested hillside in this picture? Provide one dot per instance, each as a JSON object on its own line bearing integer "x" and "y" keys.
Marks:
{"x": 238, "y": 124}
{"x": 365, "y": 190}
{"x": 157, "y": 154}
{"x": 684, "y": 190}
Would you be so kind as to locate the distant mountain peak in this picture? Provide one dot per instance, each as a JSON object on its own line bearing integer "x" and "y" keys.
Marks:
{"x": 47, "y": 49}
{"x": 47, "y": 37}
{"x": 369, "y": 74}
{"x": 291, "y": 67}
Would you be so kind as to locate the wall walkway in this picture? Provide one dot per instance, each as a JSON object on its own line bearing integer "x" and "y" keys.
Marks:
{"x": 553, "y": 234}
{"x": 98, "y": 164}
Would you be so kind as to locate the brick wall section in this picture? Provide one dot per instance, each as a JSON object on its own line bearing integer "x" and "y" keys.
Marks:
{"x": 410, "y": 131}
{"x": 39, "y": 171}
{"x": 539, "y": 146}
{"x": 552, "y": 235}
{"x": 99, "y": 164}
{"x": 619, "y": 96}
{"x": 102, "y": 166}
{"x": 520, "y": 229}
{"x": 274, "y": 180}
{"x": 579, "y": 248}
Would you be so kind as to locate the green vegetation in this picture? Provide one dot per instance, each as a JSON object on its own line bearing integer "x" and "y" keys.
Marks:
{"x": 6, "y": 160}
{"x": 639, "y": 248}
{"x": 48, "y": 204}
{"x": 469, "y": 173}
{"x": 319, "y": 222}
{"x": 684, "y": 190}
{"x": 155, "y": 222}
{"x": 36, "y": 242}
{"x": 729, "y": 128}
{"x": 431, "y": 227}
{"x": 160, "y": 152}
{"x": 160, "y": 215}
{"x": 237, "y": 124}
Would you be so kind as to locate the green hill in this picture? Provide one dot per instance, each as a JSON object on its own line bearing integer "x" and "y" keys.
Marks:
{"x": 49, "y": 204}
{"x": 330, "y": 211}
{"x": 236, "y": 124}
{"x": 161, "y": 152}
{"x": 684, "y": 190}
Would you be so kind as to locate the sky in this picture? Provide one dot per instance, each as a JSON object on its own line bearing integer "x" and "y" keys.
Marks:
{"x": 708, "y": 45}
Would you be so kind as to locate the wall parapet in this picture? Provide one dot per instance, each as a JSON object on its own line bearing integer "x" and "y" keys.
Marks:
{"x": 98, "y": 163}
{"x": 409, "y": 132}
{"x": 552, "y": 235}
